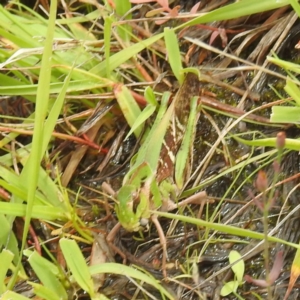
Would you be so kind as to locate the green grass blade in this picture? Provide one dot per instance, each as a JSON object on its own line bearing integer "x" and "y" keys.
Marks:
{"x": 183, "y": 153}
{"x": 6, "y": 258}
{"x": 293, "y": 67}
{"x": 226, "y": 228}
{"x": 31, "y": 170}
{"x": 9, "y": 295}
{"x": 140, "y": 120}
{"x": 295, "y": 5}
{"x": 149, "y": 150}
{"x": 150, "y": 96}
{"x": 45, "y": 293}
{"x": 107, "y": 36}
{"x": 174, "y": 53}
{"x": 124, "y": 30}
{"x": 236, "y": 10}
{"x": 285, "y": 114}
{"x": 38, "y": 211}
{"x": 129, "y": 107}
{"x": 8, "y": 238}
{"x": 55, "y": 87}
{"x": 48, "y": 274}
{"x": 77, "y": 265}
{"x": 54, "y": 113}
{"x": 119, "y": 58}
{"x": 293, "y": 90}
{"x": 291, "y": 144}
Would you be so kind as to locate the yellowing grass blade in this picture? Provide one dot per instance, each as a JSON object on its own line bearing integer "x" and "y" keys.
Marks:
{"x": 295, "y": 272}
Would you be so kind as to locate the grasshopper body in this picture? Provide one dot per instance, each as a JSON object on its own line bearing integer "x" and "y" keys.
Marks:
{"x": 166, "y": 149}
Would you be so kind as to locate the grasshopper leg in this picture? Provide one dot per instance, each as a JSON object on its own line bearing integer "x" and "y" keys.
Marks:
{"x": 163, "y": 243}
{"x": 111, "y": 237}
{"x": 199, "y": 198}
{"x": 112, "y": 234}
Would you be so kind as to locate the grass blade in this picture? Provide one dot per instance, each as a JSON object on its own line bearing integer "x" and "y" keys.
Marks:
{"x": 6, "y": 258}
{"x": 128, "y": 105}
{"x": 225, "y": 228}
{"x": 174, "y": 54}
{"x": 33, "y": 165}
{"x": 48, "y": 274}
{"x": 77, "y": 265}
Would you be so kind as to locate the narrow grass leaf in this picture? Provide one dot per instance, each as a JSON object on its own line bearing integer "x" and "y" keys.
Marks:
{"x": 19, "y": 191}
{"x": 50, "y": 191}
{"x": 173, "y": 51}
{"x": 107, "y": 36}
{"x": 295, "y": 5}
{"x": 291, "y": 144}
{"x": 129, "y": 107}
{"x": 114, "y": 268}
{"x": 183, "y": 153}
{"x": 6, "y": 258}
{"x": 151, "y": 147}
{"x": 225, "y": 228}
{"x": 55, "y": 112}
{"x": 122, "y": 9}
{"x": 193, "y": 70}
{"x": 285, "y": 114}
{"x": 77, "y": 265}
{"x": 5, "y": 227}
{"x": 122, "y": 56}
{"x": 31, "y": 170}
{"x": 293, "y": 90}
{"x": 150, "y": 96}
{"x": 48, "y": 274}
{"x": 8, "y": 238}
{"x": 9, "y": 295}
{"x": 45, "y": 293}
{"x": 141, "y": 119}
{"x": 236, "y": 10}
{"x": 55, "y": 87}
{"x": 100, "y": 297}
{"x": 38, "y": 212}
{"x": 293, "y": 67}
{"x": 146, "y": 153}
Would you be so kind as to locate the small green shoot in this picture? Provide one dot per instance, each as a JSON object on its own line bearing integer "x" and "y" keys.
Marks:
{"x": 238, "y": 268}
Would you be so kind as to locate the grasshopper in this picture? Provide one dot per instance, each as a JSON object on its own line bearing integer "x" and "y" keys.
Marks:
{"x": 156, "y": 177}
